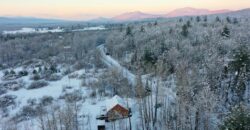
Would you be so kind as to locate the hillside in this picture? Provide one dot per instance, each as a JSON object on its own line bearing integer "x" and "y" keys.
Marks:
{"x": 176, "y": 73}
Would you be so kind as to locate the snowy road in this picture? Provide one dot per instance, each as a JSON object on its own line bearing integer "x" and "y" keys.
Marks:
{"x": 112, "y": 63}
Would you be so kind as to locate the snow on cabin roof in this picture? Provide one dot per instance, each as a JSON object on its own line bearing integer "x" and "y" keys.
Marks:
{"x": 114, "y": 101}
{"x": 101, "y": 122}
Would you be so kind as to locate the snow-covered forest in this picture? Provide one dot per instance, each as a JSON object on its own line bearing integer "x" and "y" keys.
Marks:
{"x": 184, "y": 73}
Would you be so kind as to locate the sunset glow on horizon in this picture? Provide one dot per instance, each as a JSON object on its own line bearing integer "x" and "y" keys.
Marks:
{"x": 86, "y": 9}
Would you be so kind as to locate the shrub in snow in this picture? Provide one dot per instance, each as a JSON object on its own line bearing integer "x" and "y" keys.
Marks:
{"x": 53, "y": 77}
{"x": 13, "y": 85}
{"x": 66, "y": 87}
{"x": 27, "y": 112}
{"x": 34, "y": 72}
{"x": 53, "y": 69}
{"x": 5, "y": 112}
{"x": 74, "y": 75}
{"x": 23, "y": 73}
{"x": 72, "y": 97}
{"x": 93, "y": 94}
{"x": 7, "y": 100}
{"x": 67, "y": 71}
{"x": 10, "y": 77}
{"x": 3, "y": 90}
{"x": 32, "y": 102}
{"x": 6, "y": 73}
{"x": 1, "y": 66}
{"x": 38, "y": 84}
{"x": 12, "y": 72}
{"x": 36, "y": 77}
{"x": 46, "y": 100}
{"x": 79, "y": 65}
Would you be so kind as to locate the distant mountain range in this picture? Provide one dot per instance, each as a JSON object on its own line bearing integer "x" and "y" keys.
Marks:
{"x": 188, "y": 11}
{"x": 130, "y": 16}
{"x": 134, "y": 16}
{"x": 28, "y": 20}
{"x": 137, "y": 15}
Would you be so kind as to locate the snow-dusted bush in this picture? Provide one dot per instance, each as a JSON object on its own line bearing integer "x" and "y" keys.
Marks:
{"x": 53, "y": 77}
{"x": 3, "y": 90}
{"x": 10, "y": 76}
{"x": 12, "y": 72}
{"x": 67, "y": 71}
{"x": 7, "y": 100}
{"x": 73, "y": 75}
{"x": 38, "y": 84}
{"x": 93, "y": 94}
{"x": 23, "y": 73}
{"x": 79, "y": 65}
{"x": 72, "y": 97}
{"x": 32, "y": 102}
{"x": 13, "y": 85}
{"x": 66, "y": 87}
{"x": 46, "y": 100}
{"x": 36, "y": 77}
{"x": 28, "y": 111}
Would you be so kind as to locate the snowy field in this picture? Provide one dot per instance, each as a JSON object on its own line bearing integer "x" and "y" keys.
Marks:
{"x": 90, "y": 29}
{"x": 46, "y": 30}
{"x": 33, "y": 30}
{"x": 90, "y": 107}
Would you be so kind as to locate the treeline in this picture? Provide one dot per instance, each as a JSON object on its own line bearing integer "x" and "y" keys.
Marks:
{"x": 209, "y": 58}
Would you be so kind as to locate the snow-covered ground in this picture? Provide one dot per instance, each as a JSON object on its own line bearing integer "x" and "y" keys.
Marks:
{"x": 90, "y": 29}
{"x": 33, "y": 30}
{"x": 90, "y": 106}
{"x": 26, "y": 30}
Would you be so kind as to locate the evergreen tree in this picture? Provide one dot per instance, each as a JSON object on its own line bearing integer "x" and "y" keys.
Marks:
{"x": 129, "y": 31}
{"x": 180, "y": 20}
{"x": 226, "y": 32}
{"x": 235, "y": 21}
{"x": 53, "y": 69}
{"x": 34, "y": 71}
{"x": 149, "y": 57}
{"x": 171, "y": 31}
{"x": 205, "y": 19}
{"x": 239, "y": 119}
{"x": 6, "y": 73}
{"x": 184, "y": 31}
{"x": 217, "y": 19}
{"x": 156, "y": 23}
{"x": 12, "y": 72}
{"x": 241, "y": 59}
{"x": 198, "y": 19}
{"x": 228, "y": 20}
{"x": 188, "y": 23}
{"x": 142, "y": 29}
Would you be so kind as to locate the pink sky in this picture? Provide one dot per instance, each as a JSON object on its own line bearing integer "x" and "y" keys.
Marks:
{"x": 85, "y": 9}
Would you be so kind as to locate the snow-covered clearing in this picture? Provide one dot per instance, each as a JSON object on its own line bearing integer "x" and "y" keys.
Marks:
{"x": 90, "y": 107}
{"x": 90, "y": 29}
{"x": 33, "y": 30}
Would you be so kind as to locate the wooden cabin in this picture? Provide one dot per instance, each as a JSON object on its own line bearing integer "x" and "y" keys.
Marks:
{"x": 117, "y": 109}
